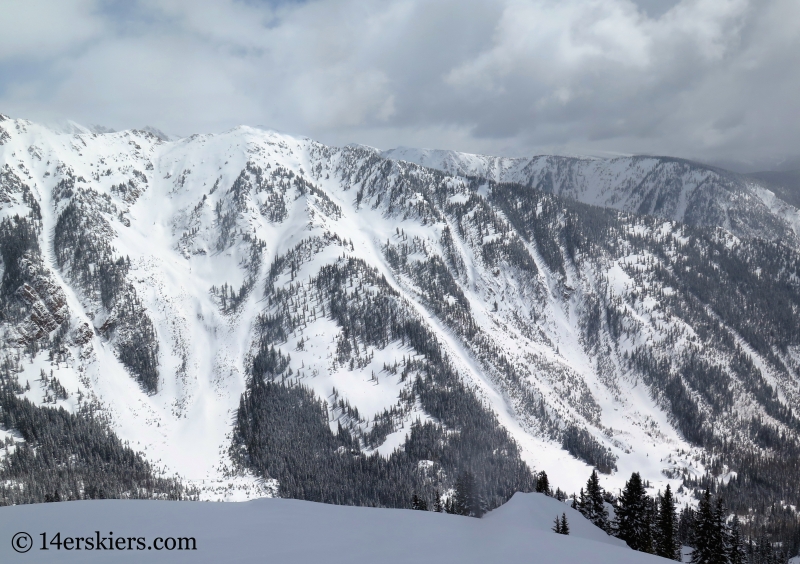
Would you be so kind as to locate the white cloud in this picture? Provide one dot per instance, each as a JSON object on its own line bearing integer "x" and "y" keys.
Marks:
{"x": 38, "y": 29}
{"x": 697, "y": 78}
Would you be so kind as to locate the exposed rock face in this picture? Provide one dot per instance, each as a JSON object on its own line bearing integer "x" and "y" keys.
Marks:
{"x": 49, "y": 307}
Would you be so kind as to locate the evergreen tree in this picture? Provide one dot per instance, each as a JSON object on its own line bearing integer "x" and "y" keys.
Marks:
{"x": 592, "y": 504}
{"x": 463, "y": 495}
{"x": 703, "y": 531}
{"x": 763, "y": 553}
{"x": 722, "y": 533}
{"x": 467, "y": 500}
{"x": 437, "y": 502}
{"x": 561, "y": 526}
{"x": 418, "y": 503}
{"x": 737, "y": 553}
{"x": 543, "y": 483}
{"x": 632, "y": 522}
{"x": 667, "y": 545}
{"x": 686, "y": 524}
{"x": 564, "y": 524}
{"x": 651, "y": 518}
{"x": 710, "y": 546}
{"x": 655, "y": 529}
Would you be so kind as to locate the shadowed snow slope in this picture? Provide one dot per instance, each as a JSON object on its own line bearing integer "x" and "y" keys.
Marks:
{"x": 535, "y": 510}
{"x": 289, "y": 531}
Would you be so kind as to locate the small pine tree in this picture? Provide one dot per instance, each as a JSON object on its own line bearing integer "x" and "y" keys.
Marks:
{"x": 543, "y": 483}
{"x": 418, "y": 503}
{"x": 667, "y": 545}
{"x": 592, "y": 503}
{"x": 564, "y": 524}
{"x": 557, "y": 526}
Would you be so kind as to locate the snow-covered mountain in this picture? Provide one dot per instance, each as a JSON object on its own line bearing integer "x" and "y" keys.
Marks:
{"x": 674, "y": 189}
{"x": 260, "y": 313}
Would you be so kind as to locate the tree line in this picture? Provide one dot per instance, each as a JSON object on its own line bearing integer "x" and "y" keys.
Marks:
{"x": 653, "y": 525}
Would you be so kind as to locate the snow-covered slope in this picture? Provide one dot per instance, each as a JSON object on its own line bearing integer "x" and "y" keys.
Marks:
{"x": 674, "y": 189}
{"x": 160, "y": 279}
{"x": 298, "y": 531}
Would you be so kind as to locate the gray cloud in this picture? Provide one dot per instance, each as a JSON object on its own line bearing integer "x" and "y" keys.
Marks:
{"x": 710, "y": 79}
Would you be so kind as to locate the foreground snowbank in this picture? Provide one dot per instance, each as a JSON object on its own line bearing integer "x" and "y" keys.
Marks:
{"x": 291, "y": 531}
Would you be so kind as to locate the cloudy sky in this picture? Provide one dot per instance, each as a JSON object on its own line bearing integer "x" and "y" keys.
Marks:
{"x": 717, "y": 80}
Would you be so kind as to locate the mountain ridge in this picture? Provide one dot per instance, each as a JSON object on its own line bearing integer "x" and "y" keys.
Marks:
{"x": 693, "y": 193}
{"x": 422, "y": 320}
